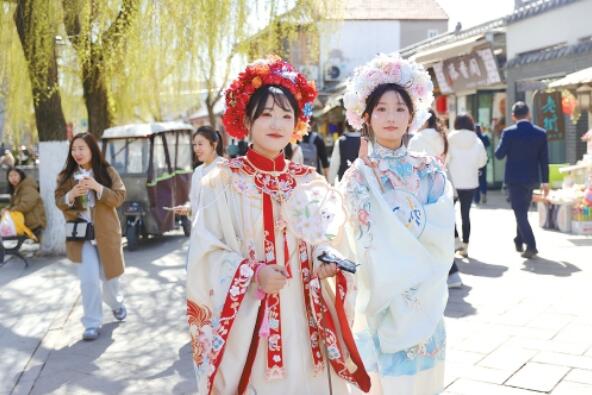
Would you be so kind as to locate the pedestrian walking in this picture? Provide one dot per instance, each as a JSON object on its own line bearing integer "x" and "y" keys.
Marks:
{"x": 345, "y": 152}
{"x": 88, "y": 192}
{"x": 481, "y": 191}
{"x": 314, "y": 151}
{"x": 401, "y": 218}
{"x": 524, "y": 146}
{"x": 207, "y": 147}
{"x": 245, "y": 257}
{"x": 432, "y": 140}
{"x": 466, "y": 156}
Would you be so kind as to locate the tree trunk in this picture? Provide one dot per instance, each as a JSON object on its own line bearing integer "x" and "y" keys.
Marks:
{"x": 49, "y": 117}
{"x": 51, "y": 124}
{"x": 211, "y": 114}
{"x": 53, "y": 156}
{"x": 96, "y": 98}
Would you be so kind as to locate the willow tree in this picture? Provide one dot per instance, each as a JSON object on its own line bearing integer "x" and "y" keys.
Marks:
{"x": 36, "y": 31}
{"x": 227, "y": 30}
{"x": 98, "y": 32}
{"x": 36, "y": 27}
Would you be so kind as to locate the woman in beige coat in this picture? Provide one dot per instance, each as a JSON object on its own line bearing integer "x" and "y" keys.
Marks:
{"x": 90, "y": 189}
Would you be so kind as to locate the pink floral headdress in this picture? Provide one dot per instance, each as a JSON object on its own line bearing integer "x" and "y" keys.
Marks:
{"x": 270, "y": 71}
{"x": 387, "y": 69}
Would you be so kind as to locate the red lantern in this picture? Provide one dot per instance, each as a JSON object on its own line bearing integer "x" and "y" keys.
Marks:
{"x": 568, "y": 104}
{"x": 441, "y": 104}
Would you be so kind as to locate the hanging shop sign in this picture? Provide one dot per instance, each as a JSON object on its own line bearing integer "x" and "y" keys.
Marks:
{"x": 475, "y": 70}
{"x": 549, "y": 114}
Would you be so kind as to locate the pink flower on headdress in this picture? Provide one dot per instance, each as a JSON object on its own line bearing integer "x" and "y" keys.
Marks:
{"x": 418, "y": 90}
{"x": 354, "y": 119}
{"x": 393, "y": 70}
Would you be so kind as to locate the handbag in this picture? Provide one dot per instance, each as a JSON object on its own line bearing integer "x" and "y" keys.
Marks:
{"x": 79, "y": 230}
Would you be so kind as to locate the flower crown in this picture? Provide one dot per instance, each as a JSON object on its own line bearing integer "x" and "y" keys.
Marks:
{"x": 270, "y": 71}
{"x": 388, "y": 69}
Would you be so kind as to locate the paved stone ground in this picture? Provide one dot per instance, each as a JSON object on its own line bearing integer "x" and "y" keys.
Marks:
{"x": 40, "y": 329}
{"x": 516, "y": 327}
{"x": 520, "y": 326}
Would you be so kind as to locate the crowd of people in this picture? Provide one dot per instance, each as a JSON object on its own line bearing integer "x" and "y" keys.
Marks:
{"x": 275, "y": 303}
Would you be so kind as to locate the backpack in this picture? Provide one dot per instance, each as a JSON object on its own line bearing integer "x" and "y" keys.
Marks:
{"x": 309, "y": 151}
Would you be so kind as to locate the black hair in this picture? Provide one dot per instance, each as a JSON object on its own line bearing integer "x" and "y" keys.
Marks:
{"x": 520, "y": 109}
{"x": 374, "y": 97}
{"x": 98, "y": 162}
{"x": 434, "y": 122}
{"x": 17, "y": 170}
{"x": 212, "y": 135}
{"x": 281, "y": 97}
{"x": 464, "y": 121}
{"x": 288, "y": 151}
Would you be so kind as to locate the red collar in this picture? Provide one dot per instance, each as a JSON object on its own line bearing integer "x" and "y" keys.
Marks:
{"x": 266, "y": 164}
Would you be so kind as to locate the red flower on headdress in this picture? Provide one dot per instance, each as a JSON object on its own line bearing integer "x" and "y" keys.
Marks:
{"x": 270, "y": 71}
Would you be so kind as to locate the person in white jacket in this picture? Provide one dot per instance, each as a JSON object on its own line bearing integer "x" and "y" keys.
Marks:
{"x": 466, "y": 155}
{"x": 432, "y": 140}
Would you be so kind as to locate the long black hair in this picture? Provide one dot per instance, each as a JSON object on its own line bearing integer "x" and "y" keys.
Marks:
{"x": 20, "y": 173}
{"x": 434, "y": 122}
{"x": 212, "y": 135}
{"x": 98, "y": 163}
{"x": 374, "y": 97}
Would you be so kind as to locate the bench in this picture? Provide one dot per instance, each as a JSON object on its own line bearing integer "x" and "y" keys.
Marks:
{"x": 15, "y": 250}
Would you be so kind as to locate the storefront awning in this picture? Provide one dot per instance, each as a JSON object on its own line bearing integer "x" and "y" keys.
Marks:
{"x": 447, "y": 51}
{"x": 579, "y": 77}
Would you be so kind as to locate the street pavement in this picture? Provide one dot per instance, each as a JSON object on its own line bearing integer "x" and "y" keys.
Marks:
{"x": 517, "y": 327}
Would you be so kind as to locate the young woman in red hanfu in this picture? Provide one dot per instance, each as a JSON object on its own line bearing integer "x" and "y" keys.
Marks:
{"x": 261, "y": 309}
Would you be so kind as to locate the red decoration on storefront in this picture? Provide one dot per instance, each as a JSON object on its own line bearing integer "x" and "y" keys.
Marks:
{"x": 568, "y": 105}
{"x": 441, "y": 104}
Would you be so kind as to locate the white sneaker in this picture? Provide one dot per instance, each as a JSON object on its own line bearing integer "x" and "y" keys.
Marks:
{"x": 454, "y": 280}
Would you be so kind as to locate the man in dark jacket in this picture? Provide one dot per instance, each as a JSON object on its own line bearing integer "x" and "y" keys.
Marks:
{"x": 527, "y": 164}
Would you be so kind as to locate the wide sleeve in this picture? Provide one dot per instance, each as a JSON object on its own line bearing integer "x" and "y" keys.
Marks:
{"x": 194, "y": 191}
{"x": 218, "y": 276}
{"x": 334, "y": 163}
{"x": 114, "y": 196}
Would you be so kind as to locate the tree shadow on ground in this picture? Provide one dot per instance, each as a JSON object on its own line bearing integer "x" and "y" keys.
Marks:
{"x": 547, "y": 267}
{"x": 184, "y": 367}
{"x": 78, "y": 360}
{"x": 475, "y": 267}
{"x": 457, "y": 306}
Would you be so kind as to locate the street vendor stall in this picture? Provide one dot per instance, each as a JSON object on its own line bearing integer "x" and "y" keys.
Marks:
{"x": 569, "y": 209}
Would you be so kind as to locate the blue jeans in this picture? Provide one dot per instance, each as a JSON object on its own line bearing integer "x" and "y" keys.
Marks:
{"x": 520, "y": 199}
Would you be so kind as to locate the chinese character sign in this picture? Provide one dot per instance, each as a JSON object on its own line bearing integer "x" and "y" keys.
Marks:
{"x": 547, "y": 108}
{"x": 475, "y": 70}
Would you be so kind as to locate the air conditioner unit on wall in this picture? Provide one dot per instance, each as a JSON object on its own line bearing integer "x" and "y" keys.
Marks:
{"x": 334, "y": 72}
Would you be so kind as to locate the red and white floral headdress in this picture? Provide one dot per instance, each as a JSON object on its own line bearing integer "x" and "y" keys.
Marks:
{"x": 386, "y": 69}
{"x": 270, "y": 71}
